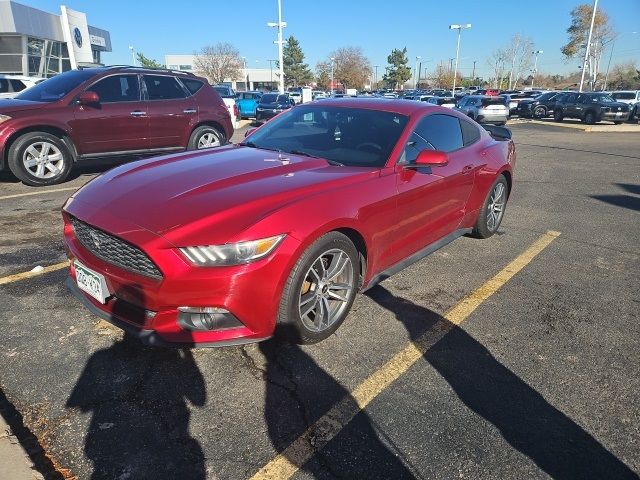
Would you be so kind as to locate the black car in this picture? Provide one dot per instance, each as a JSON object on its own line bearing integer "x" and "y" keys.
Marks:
{"x": 590, "y": 107}
{"x": 271, "y": 104}
{"x": 539, "y": 107}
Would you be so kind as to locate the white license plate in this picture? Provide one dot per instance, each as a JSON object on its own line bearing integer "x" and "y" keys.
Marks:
{"x": 91, "y": 282}
{"x": 618, "y": 114}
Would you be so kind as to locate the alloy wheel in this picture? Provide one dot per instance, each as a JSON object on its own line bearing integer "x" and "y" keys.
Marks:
{"x": 495, "y": 209}
{"x": 326, "y": 289}
{"x": 208, "y": 140}
{"x": 43, "y": 160}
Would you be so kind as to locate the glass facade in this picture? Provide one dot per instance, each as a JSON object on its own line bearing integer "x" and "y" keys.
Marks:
{"x": 47, "y": 57}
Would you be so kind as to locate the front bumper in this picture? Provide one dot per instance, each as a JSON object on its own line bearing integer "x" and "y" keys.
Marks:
{"x": 263, "y": 115}
{"x": 148, "y": 307}
{"x": 615, "y": 116}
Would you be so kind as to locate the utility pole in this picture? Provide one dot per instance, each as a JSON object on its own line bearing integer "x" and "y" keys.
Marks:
{"x": 535, "y": 66}
{"x": 473, "y": 75}
{"x": 332, "y": 61}
{"x": 271, "y": 70}
{"x": 375, "y": 81}
{"x": 280, "y": 24}
{"x": 419, "y": 72}
{"x": 588, "y": 49}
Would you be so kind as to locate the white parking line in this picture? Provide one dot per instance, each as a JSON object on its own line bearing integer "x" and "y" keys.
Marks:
{"x": 39, "y": 192}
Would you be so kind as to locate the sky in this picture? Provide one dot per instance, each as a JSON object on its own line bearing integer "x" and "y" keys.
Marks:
{"x": 161, "y": 27}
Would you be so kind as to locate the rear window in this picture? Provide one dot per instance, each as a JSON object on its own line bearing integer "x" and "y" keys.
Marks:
{"x": 160, "y": 87}
{"x": 624, "y": 95}
{"x": 192, "y": 85}
{"x": 494, "y": 101}
{"x": 470, "y": 133}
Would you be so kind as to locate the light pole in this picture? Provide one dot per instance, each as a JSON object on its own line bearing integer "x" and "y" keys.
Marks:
{"x": 535, "y": 66}
{"x": 375, "y": 81}
{"x": 280, "y": 24}
{"x": 588, "y": 49}
{"x": 133, "y": 55}
{"x": 459, "y": 27}
{"x": 332, "y": 60}
{"x": 415, "y": 72}
{"x": 613, "y": 44}
{"x": 244, "y": 71}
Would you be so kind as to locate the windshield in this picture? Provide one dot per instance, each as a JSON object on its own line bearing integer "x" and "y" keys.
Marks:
{"x": 56, "y": 87}
{"x": 350, "y": 136}
{"x": 225, "y": 92}
{"x": 494, "y": 101}
{"x": 601, "y": 98}
{"x": 273, "y": 98}
{"x": 624, "y": 95}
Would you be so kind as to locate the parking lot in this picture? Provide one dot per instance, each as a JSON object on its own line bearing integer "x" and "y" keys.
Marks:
{"x": 513, "y": 357}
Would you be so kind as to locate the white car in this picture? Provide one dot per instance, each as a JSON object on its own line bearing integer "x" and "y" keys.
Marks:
{"x": 630, "y": 97}
{"x": 297, "y": 97}
{"x": 12, "y": 85}
{"x": 229, "y": 98}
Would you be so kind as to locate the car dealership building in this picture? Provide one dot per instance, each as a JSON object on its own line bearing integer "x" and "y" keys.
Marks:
{"x": 41, "y": 44}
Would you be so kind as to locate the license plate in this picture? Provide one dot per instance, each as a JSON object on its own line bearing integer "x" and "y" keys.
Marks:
{"x": 618, "y": 114}
{"x": 91, "y": 282}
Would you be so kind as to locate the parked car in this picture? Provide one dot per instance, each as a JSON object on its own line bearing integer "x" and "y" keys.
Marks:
{"x": 484, "y": 109}
{"x": 80, "y": 115}
{"x": 229, "y": 98}
{"x": 279, "y": 233}
{"x": 591, "y": 107}
{"x": 514, "y": 99}
{"x": 296, "y": 97}
{"x": 448, "y": 102}
{"x": 631, "y": 98}
{"x": 539, "y": 107}
{"x": 12, "y": 85}
{"x": 271, "y": 104}
{"x": 318, "y": 94}
{"x": 247, "y": 103}
{"x": 490, "y": 92}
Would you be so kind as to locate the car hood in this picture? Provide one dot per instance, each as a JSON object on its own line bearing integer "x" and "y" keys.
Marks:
{"x": 210, "y": 196}
{"x": 10, "y": 105}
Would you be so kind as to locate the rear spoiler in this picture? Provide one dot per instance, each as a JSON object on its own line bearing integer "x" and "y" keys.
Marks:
{"x": 499, "y": 133}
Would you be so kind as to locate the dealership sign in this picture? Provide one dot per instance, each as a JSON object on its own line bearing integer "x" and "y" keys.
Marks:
{"x": 76, "y": 34}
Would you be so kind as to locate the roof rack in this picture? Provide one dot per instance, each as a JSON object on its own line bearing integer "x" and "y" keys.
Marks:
{"x": 158, "y": 69}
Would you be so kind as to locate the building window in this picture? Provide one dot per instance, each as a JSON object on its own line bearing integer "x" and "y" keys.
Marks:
{"x": 47, "y": 58}
{"x": 11, "y": 54}
{"x": 186, "y": 67}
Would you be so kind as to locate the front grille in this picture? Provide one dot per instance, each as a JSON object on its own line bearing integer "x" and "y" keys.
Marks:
{"x": 114, "y": 250}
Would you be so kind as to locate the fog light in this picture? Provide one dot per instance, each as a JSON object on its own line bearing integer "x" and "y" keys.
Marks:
{"x": 206, "y": 318}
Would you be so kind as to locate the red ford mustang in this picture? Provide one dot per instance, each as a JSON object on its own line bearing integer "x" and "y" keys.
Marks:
{"x": 279, "y": 233}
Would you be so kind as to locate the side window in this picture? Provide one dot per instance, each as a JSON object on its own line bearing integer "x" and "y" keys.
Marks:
{"x": 192, "y": 85}
{"x": 161, "y": 87}
{"x": 4, "y": 85}
{"x": 570, "y": 98}
{"x": 583, "y": 98}
{"x": 17, "y": 85}
{"x": 463, "y": 102}
{"x": 441, "y": 131}
{"x": 470, "y": 133}
{"x": 414, "y": 146}
{"x": 117, "y": 88}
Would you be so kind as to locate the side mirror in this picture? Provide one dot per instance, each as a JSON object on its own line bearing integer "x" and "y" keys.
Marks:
{"x": 250, "y": 131}
{"x": 88, "y": 98}
{"x": 431, "y": 158}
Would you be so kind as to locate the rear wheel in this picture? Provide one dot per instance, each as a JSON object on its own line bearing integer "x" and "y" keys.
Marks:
{"x": 558, "y": 116}
{"x": 540, "y": 112}
{"x": 492, "y": 211}
{"x": 590, "y": 118}
{"x": 205, "y": 136}
{"x": 39, "y": 159}
{"x": 320, "y": 290}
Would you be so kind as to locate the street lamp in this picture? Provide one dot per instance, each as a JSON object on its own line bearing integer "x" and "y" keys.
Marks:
{"x": 133, "y": 55}
{"x": 415, "y": 72}
{"x": 535, "y": 66}
{"x": 375, "y": 78}
{"x": 280, "y": 24}
{"x": 244, "y": 68}
{"x": 458, "y": 27}
{"x": 332, "y": 60}
{"x": 613, "y": 44}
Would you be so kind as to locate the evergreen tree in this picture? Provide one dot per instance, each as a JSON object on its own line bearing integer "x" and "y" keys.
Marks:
{"x": 296, "y": 72}
{"x": 399, "y": 72}
{"x": 147, "y": 62}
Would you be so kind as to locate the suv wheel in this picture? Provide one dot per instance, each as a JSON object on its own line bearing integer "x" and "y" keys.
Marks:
{"x": 205, "y": 137}
{"x": 39, "y": 158}
{"x": 558, "y": 116}
{"x": 590, "y": 118}
{"x": 540, "y": 112}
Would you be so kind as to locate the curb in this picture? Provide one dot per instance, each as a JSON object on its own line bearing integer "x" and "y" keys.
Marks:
{"x": 624, "y": 128}
{"x": 15, "y": 463}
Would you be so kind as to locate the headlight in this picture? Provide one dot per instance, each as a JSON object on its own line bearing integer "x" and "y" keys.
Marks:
{"x": 231, "y": 253}
{"x": 4, "y": 118}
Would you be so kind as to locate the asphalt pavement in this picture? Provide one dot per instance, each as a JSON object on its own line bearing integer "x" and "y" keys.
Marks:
{"x": 540, "y": 379}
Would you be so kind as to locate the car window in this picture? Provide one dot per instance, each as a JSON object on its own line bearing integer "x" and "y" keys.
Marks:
{"x": 56, "y": 87}
{"x": 470, "y": 133}
{"x": 117, "y": 88}
{"x": 192, "y": 85}
{"x": 17, "y": 85}
{"x": 571, "y": 98}
{"x": 441, "y": 131}
{"x": 4, "y": 85}
{"x": 414, "y": 146}
{"x": 161, "y": 87}
{"x": 269, "y": 98}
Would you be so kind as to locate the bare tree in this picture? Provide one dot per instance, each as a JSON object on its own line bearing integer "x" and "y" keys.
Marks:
{"x": 519, "y": 52}
{"x": 351, "y": 67}
{"x": 497, "y": 62}
{"x": 442, "y": 77}
{"x": 323, "y": 75}
{"x": 219, "y": 62}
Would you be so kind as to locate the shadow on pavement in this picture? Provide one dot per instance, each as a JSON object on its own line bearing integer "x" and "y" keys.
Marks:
{"x": 138, "y": 400}
{"x": 629, "y": 187}
{"x": 624, "y": 201}
{"x": 298, "y": 393}
{"x": 531, "y": 425}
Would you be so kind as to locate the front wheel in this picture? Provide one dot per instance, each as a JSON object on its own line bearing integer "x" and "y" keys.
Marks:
{"x": 39, "y": 159}
{"x": 492, "y": 211}
{"x": 205, "y": 136}
{"x": 539, "y": 112}
{"x": 320, "y": 290}
{"x": 590, "y": 118}
{"x": 558, "y": 116}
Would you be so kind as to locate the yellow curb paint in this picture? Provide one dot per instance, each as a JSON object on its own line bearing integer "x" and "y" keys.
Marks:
{"x": 24, "y": 275}
{"x": 39, "y": 192}
{"x": 287, "y": 463}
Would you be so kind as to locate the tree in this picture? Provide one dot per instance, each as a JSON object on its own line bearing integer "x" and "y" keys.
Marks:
{"x": 519, "y": 53}
{"x": 323, "y": 75}
{"x": 497, "y": 62}
{"x": 443, "y": 77}
{"x": 219, "y": 62}
{"x": 579, "y": 33}
{"x": 147, "y": 62}
{"x": 624, "y": 76}
{"x": 351, "y": 68}
{"x": 296, "y": 72}
{"x": 399, "y": 72}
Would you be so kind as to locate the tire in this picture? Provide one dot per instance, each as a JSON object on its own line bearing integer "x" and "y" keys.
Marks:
{"x": 483, "y": 227}
{"x": 205, "y": 136}
{"x": 618, "y": 123}
{"x": 539, "y": 112}
{"x": 558, "y": 116}
{"x": 296, "y": 325}
{"x": 26, "y": 163}
{"x": 589, "y": 117}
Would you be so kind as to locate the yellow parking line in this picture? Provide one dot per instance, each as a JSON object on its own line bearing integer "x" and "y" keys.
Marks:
{"x": 21, "y": 276}
{"x": 285, "y": 464}
{"x": 39, "y": 192}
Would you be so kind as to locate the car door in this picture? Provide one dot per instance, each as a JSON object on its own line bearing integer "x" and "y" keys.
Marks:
{"x": 117, "y": 123}
{"x": 431, "y": 200}
{"x": 172, "y": 112}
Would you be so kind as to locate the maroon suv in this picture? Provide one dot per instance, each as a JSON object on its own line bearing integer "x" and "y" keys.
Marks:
{"x": 110, "y": 111}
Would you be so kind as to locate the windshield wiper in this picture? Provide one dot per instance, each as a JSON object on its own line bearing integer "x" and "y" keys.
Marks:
{"x": 306, "y": 154}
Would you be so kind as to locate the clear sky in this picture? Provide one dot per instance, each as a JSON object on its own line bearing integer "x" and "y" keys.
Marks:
{"x": 164, "y": 27}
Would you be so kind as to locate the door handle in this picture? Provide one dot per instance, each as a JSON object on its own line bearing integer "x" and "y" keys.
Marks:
{"x": 138, "y": 113}
{"x": 467, "y": 169}
{"x": 189, "y": 110}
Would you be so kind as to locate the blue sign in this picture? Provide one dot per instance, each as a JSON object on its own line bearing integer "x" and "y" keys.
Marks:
{"x": 77, "y": 37}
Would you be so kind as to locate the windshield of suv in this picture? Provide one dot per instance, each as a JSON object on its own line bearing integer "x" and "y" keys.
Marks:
{"x": 225, "y": 92}
{"x": 274, "y": 98}
{"x": 56, "y": 87}
{"x": 601, "y": 98}
{"x": 624, "y": 95}
{"x": 342, "y": 135}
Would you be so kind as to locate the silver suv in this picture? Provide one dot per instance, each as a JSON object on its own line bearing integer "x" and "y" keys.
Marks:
{"x": 484, "y": 109}
{"x": 630, "y": 97}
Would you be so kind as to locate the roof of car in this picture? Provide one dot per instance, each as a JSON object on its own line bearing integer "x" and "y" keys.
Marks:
{"x": 405, "y": 107}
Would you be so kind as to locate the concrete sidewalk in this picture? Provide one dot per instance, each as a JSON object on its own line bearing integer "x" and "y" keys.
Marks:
{"x": 577, "y": 125}
{"x": 15, "y": 464}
